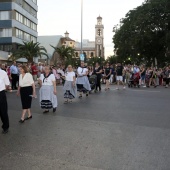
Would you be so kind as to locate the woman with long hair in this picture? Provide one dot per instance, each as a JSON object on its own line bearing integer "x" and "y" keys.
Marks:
{"x": 98, "y": 72}
{"x": 26, "y": 90}
{"x": 48, "y": 91}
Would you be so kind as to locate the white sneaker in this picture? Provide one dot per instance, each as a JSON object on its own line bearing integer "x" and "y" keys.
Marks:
{"x": 124, "y": 87}
{"x": 117, "y": 88}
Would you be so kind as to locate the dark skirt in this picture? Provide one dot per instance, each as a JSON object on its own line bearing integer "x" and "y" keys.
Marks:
{"x": 26, "y": 99}
{"x": 68, "y": 95}
{"x": 46, "y": 104}
{"x": 81, "y": 88}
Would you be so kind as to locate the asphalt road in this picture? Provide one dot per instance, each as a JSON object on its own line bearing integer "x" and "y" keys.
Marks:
{"x": 114, "y": 130}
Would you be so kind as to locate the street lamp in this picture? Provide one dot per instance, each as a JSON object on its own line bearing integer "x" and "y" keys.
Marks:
{"x": 81, "y": 26}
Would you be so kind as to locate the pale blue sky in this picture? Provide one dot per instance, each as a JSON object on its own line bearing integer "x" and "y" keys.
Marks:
{"x": 57, "y": 16}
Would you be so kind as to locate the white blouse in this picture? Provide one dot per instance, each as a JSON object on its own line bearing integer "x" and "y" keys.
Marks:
{"x": 69, "y": 76}
{"x": 26, "y": 81}
{"x": 47, "y": 81}
{"x": 82, "y": 71}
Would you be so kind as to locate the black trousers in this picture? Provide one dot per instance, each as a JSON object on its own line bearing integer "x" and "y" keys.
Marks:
{"x": 167, "y": 81}
{"x": 14, "y": 80}
{"x": 4, "y": 110}
{"x": 98, "y": 83}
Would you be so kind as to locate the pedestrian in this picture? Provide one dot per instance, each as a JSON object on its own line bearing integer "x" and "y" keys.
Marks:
{"x": 98, "y": 72}
{"x": 48, "y": 91}
{"x": 26, "y": 90}
{"x": 14, "y": 75}
{"x": 83, "y": 85}
{"x": 143, "y": 75}
{"x": 119, "y": 75}
{"x": 4, "y": 83}
{"x": 167, "y": 74}
{"x": 153, "y": 76}
{"x": 107, "y": 73}
{"x": 34, "y": 70}
{"x": 70, "y": 89}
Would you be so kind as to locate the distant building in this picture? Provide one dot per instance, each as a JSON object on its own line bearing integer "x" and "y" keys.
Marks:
{"x": 18, "y": 23}
{"x": 90, "y": 48}
{"x": 93, "y": 48}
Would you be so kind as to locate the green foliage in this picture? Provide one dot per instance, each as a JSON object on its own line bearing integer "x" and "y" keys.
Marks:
{"x": 29, "y": 50}
{"x": 67, "y": 55}
{"x": 93, "y": 60}
{"x": 144, "y": 33}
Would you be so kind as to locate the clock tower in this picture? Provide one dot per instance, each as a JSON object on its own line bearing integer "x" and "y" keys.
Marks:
{"x": 99, "y": 38}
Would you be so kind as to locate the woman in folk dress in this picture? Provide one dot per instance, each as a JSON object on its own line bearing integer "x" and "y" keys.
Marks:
{"x": 83, "y": 85}
{"x": 70, "y": 89}
{"x": 48, "y": 92}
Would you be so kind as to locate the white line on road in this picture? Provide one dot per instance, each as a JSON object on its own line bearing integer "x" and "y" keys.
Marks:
{"x": 146, "y": 91}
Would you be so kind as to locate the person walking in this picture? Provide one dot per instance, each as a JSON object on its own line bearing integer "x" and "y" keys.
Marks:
{"x": 34, "y": 70}
{"x": 119, "y": 75}
{"x": 107, "y": 73}
{"x": 70, "y": 89}
{"x": 83, "y": 85}
{"x": 167, "y": 74}
{"x": 4, "y": 83}
{"x": 14, "y": 75}
{"x": 48, "y": 91}
{"x": 98, "y": 72}
{"x": 26, "y": 90}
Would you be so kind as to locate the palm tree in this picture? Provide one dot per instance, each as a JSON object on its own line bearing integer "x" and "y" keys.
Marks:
{"x": 66, "y": 54}
{"x": 29, "y": 50}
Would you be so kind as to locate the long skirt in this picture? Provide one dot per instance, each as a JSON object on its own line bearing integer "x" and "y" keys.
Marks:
{"x": 47, "y": 98}
{"x": 83, "y": 84}
{"x": 26, "y": 99}
{"x": 70, "y": 91}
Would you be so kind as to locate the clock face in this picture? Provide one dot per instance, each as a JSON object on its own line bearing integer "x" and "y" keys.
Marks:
{"x": 99, "y": 41}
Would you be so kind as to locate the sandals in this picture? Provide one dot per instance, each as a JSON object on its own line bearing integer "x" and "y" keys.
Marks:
{"x": 80, "y": 96}
{"x": 66, "y": 102}
{"x": 46, "y": 111}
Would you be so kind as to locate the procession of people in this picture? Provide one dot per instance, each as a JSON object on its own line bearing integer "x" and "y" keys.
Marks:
{"x": 24, "y": 78}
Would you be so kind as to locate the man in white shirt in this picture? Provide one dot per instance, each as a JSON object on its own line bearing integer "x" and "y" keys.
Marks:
{"x": 4, "y": 83}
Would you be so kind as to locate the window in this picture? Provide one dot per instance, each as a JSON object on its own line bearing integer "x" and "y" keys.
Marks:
{"x": 19, "y": 34}
{"x": 27, "y": 37}
{"x": 34, "y": 39}
{"x": 71, "y": 43}
{"x": 19, "y": 17}
{"x": 5, "y": 15}
{"x": 6, "y": 32}
{"x": 92, "y": 54}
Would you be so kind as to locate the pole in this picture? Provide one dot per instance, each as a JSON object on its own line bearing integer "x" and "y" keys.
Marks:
{"x": 81, "y": 26}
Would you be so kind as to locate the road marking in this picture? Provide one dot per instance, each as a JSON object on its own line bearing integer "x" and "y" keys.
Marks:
{"x": 146, "y": 91}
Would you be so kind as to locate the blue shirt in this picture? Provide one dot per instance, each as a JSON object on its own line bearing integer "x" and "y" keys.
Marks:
{"x": 14, "y": 69}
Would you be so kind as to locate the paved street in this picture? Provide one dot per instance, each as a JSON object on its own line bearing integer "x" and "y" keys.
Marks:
{"x": 114, "y": 130}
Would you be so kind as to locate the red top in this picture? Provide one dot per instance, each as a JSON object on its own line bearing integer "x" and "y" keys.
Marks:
{"x": 34, "y": 70}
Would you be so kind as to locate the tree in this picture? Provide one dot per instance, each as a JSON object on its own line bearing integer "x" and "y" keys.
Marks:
{"x": 93, "y": 60}
{"x": 143, "y": 33}
{"x": 67, "y": 55}
{"x": 29, "y": 50}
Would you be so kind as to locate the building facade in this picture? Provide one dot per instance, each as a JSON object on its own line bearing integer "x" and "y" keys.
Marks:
{"x": 90, "y": 48}
{"x": 93, "y": 48}
{"x": 99, "y": 38}
{"x": 18, "y": 23}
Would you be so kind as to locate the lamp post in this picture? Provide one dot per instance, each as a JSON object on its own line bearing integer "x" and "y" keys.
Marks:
{"x": 81, "y": 26}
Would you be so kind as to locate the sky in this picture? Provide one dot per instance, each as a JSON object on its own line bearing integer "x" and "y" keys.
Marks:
{"x": 55, "y": 17}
